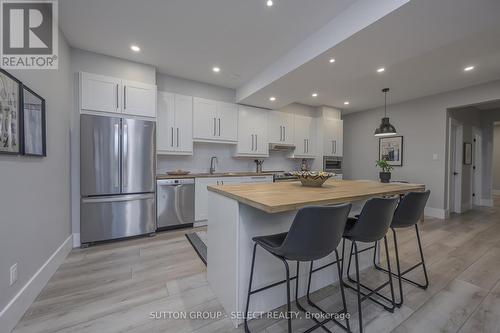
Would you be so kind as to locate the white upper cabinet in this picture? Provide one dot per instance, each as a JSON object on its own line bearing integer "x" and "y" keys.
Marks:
{"x": 214, "y": 121}
{"x": 281, "y": 127}
{"x": 252, "y": 132}
{"x": 333, "y": 130}
{"x": 304, "y": 137}
{"x": 100, "y": 93}
{"x": 108, "y": 94}
{"x": 139, "y": 99}
{"x": 174, "y": 124}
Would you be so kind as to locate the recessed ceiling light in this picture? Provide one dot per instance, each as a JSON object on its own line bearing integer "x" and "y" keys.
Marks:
{"x": 272, "y": 98}
{"x": 332, "y": 60}
{"x": 346, "y": 103}
{"x": 381, "y": 70}
{"x": 135, "y": 48}
{"x": 269, "y": 3}
{"x": 468, "y": 68}
{"x": 314, "y": 95}
{"x": 216, "y": 69}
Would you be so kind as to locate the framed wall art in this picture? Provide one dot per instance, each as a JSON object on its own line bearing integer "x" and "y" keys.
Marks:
{"x": 391, "y": 150}
{"x": 34, "y": 131}
{"x": 10, "y": 114}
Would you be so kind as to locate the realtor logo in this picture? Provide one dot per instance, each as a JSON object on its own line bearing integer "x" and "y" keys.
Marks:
{"x": 29, "y": 34}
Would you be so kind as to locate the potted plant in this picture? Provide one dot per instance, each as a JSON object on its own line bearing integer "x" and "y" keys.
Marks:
{"x": 385, "y": 174}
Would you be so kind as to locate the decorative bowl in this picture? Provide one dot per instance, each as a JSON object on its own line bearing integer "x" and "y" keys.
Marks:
{"x": 312, "y": 178}
{"x": 178, "y": 173}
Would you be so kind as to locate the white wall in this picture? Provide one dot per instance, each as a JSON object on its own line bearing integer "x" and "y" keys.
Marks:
{"x": 105, "y": 65}
{"x": 34, "y": 196}
{"x": 496, "y": 158}
{"x": 423, "y": 123}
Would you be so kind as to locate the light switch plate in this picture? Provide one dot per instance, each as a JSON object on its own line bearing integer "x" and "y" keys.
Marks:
{"x": 13, "y": 274}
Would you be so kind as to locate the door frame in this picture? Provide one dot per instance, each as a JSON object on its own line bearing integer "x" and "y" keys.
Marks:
{"x": 455, "y": 158}
{"x": 476, "y": 174}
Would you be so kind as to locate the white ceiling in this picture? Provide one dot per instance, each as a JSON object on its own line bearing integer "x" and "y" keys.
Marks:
{"x": 424, "y": 46}
{"x": 186, "y": 38}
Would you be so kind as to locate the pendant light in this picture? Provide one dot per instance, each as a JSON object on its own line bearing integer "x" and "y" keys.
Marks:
{"x": 385, "y": 128}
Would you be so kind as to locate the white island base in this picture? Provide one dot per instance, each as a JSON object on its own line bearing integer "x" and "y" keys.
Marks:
{"x": 231, "y": 227}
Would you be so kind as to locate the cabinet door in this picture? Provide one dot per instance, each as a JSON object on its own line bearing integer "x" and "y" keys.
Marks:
{"x": 260, "y": 130}
{"x": 204, "y": 119}
{"x": 305, "y": 137}
{"x": 227, "y": 122}
{"x": 246, "y": 135}
{"x": 183, "y": 131}
{"x": 339, "y": 138}
{"x": 333, "y": 134}
{"x": 139, "y": 99}
{"x": 201, "y": 197}
{"x": 280, "y": 129}
{"x": 165, "y": 123}
{"x": 100, "y": 93}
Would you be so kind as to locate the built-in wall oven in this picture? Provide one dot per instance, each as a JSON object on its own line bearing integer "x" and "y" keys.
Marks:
{"x": 332, "y": 164}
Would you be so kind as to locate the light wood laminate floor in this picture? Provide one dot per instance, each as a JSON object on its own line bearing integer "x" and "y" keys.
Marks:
{"x": 114, "y": 287}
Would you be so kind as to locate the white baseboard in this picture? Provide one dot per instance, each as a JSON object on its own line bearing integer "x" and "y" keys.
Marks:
{"x": 435, "y": 212}
{"x": 495, "y": 192}
{"x": 76, "y": 240}
{"x": 487, "y": 202}
{"x": 15, "y": 309}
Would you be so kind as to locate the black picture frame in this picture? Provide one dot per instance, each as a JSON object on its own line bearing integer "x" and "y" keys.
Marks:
{"x": 6, "y": 80}
{"x": 34, "y": 139}
{"x": 467, "y": 153}
{"x": 396, "y": 159}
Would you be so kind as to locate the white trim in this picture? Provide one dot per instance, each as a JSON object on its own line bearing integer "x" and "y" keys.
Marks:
{"x": 76, "y": 240}
{"x": 435, "y": 212}
{"x": 495, "y": 192}
{"x": 15, "y": 309}
{"x": 487, "y": 202}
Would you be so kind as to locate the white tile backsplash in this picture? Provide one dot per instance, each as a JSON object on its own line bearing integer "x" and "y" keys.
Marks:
{"x": 200, "y": 160}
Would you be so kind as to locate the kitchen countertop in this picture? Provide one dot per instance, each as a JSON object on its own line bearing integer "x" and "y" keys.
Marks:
{"x": 217, "y": 174}
{"x": 287, "y": 196}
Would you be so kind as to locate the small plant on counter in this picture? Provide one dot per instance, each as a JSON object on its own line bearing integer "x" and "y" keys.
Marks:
{"x": 385, "y": 174}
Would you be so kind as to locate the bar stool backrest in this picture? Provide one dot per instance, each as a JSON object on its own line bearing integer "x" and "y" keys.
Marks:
{"x": 410, "y": 209}
{"x": 315, "y": 232}
{"x": 374, "y": 220}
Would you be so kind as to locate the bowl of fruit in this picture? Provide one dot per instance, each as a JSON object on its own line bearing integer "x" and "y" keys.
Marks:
{"x": 312, "y": 178}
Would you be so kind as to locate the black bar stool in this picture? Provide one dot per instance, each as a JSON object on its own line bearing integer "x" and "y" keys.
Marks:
{"x": 408, "y": 213}
{"x": 371, "y": 226}
{"x": 315, "y": 233}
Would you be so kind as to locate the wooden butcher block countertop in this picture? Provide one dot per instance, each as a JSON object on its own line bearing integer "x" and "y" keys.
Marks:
{"x": 287, "y": 196}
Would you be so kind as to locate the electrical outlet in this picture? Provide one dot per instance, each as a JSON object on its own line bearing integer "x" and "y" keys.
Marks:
{"x": 13, "y": 274}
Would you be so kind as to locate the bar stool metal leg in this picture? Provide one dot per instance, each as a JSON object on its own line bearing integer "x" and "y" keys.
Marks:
{"x": 247, "y": 330}
{"x": 400, "y": 275}
{"x": 288, "y": 305}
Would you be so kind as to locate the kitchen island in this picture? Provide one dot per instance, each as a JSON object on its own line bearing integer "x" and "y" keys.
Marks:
{"x": 237, "y": 213}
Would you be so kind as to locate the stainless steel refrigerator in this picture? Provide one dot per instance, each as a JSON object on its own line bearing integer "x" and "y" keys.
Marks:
{"x": 117, "y": 178}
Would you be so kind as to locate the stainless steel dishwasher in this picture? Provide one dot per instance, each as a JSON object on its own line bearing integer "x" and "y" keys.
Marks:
{"x": 175, "y": 203}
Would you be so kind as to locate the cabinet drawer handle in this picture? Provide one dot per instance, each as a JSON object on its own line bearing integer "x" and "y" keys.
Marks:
{"x": 172, "y": 136}
{"x": 281, "y": 133}
{"x": 215, "y": 127}
{"x": 252, "y": 142}
{"x": 177, "y": 136}
{"x": 219, "y": 126}
{"x": 124, "y": 97}
{"x": 117, "y": 97}
{"x": 256, "y": 143}
{"x": 284, "y": 133}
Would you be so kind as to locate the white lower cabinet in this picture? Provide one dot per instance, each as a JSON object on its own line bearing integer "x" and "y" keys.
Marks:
{"x": 201, "y": 191}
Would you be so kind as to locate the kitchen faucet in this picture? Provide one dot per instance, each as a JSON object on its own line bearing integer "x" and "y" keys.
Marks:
{"x": 213, "y": 162}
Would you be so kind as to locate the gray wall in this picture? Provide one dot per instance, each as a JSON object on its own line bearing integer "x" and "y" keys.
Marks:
{"x": 104, "y": 65}
{"x": 423, "y": 123}
{"x": 194, "y": 88}
{"x": 496, "y": 158}
{"x": 34, "y": 195}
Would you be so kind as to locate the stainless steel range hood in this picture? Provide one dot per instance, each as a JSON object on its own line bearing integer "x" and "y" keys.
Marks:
{"x": 281, "y": 146}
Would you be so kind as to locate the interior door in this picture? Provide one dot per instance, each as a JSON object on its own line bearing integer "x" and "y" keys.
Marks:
{"x": 99, "y": 155}
{"x": 138, "y": 156}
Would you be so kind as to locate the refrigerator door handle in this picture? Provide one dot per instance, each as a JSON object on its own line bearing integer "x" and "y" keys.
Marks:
{"x": 119, "y": 198}
{"x": 117, "y": 151}
{"x": 125, "y": 156}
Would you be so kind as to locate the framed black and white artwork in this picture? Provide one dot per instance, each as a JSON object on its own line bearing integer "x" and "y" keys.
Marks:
{"x": 34, "y": 132}
{"x": 391, "y": 150}
{"x": 10, "y": 114}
